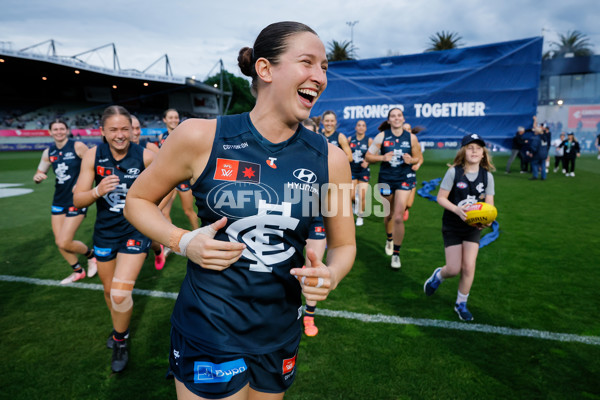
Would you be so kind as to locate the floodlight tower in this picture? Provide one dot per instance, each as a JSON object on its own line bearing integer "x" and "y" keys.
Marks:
{"x": 351, "y": 25}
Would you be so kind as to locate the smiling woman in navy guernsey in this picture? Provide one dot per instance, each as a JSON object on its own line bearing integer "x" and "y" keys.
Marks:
{"x": 236, "y": 322}
{"x": 64, "y": 156}
{"x": 120, "y": 249}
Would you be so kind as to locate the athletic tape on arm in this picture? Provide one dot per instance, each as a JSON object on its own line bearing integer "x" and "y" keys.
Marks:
{"x": 187, "y": 238}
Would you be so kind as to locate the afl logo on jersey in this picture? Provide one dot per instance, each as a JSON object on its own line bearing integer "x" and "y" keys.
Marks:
{"x": 237, "y": 200}
{"x": 461, "y": 185}
{"x": 305, "y": 175}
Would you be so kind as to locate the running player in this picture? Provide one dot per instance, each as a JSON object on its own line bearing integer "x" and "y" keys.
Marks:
{"x": 317, "y": 242}
{"x": 257, "y": 178}
{"x": 359, "y": 144}
{"x": 397, "y": 150}
{"x": 415, "y": 167}
{"x": 119, "y": 247}
{"x": 136, "y": 132}
{"x": 467, "y": 181}
{"x": 64, "y": 156}
{"x": 329, "y": 121}
{"x": 171, "y": 120}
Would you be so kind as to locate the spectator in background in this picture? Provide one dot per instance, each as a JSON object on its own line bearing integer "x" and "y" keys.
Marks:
{"x": 517, "y": 144}
{"x": 572, "y": 151}
{"x": 539, "y": 152}
{"x": 558, "y": 152}
{"x": 525, "y": 151}
{"x": 598, "y": 143}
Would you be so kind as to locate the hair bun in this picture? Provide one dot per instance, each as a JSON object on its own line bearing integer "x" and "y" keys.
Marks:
{"x": 245, "y": 61}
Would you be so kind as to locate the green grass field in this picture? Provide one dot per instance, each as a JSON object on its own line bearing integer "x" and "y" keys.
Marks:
{"x": 540, "y": 276}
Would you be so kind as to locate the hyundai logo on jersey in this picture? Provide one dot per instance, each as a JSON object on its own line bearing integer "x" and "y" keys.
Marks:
{"x": 305, "y": 175}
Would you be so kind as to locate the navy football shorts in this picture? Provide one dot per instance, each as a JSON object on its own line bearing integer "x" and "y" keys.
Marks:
{"x": 213, "y": 374}
{"x": 362, "y": 175}
{"x": 183, "y": 186}
{"x": 134, "y": 243}
{"x": 391, "y": 187}
{"x": 71, "y": 211}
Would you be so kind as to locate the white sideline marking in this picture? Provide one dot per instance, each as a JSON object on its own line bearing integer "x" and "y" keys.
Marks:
{"x": 372, "y": 318}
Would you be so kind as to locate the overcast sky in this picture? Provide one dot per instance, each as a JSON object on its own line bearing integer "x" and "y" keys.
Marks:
{"x": 197, "y": 34}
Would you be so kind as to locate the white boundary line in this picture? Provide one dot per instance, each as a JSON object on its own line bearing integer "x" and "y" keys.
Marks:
{"x": 371, "y": 318}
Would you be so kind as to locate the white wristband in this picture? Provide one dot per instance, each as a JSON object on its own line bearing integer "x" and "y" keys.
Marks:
{"x": 187, "y": 238}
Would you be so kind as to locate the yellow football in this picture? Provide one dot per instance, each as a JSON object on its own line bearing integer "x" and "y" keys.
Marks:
{"x": 481, "y": 213}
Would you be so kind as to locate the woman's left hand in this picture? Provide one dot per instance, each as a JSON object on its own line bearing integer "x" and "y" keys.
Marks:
{"x": 316, "y": 280}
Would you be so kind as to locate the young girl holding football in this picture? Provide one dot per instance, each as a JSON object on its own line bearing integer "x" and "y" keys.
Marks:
{"x": 466, "y": 182}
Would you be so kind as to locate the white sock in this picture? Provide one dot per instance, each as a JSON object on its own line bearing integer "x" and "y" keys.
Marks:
{"x": 438, "y": 275}
{"x": 461, "y": 298}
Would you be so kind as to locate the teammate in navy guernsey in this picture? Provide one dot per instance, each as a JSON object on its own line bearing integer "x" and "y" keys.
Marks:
{"x": 136, "y": 132}
{"x": 468, "y": 181}
{"x": 171, "y": 120}
{"x": 329, "y": 121}
{"x": 317, "y": 242}
{"x": 120, "y": 249}
{"x": 257, "y": 180}
{"x": 64, "y": 156}
{"x": 397, "y": 150}
{"x": 359, "y": 144}
{"x": 415, "y": 167}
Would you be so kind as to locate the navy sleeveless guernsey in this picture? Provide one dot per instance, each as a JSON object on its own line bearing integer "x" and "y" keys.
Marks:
{"x": 66, "y": 164}
{"x": 110, "y": 222}
{"x": 359, "y": 149}
{"x": 254, "y": 305}
{"x": 333, "y": 138}
{"x": 396, "y": 169}
{"x": 464, "y": 192}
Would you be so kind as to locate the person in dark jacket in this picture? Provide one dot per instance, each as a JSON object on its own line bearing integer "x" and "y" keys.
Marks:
{"x": 572, "y": 151}
{"x": 517, "y": 144}
{"x": 538, "y": 152}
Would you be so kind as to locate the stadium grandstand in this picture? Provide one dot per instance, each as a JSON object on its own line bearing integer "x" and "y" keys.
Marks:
{"x": 38, "y": 85}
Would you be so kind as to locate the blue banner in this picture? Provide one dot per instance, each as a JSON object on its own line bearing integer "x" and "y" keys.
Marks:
{"x": 490, "y": 90}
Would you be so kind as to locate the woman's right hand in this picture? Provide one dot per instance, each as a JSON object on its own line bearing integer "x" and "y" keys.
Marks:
{"x": 108, "y": 184}
{"x": 213, "y": 254}
{"x": 39, "y": 177}
{"x": 388, "y": 156}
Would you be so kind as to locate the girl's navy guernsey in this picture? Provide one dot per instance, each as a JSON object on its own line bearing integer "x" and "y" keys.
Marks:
{"x": 359, "y": 149}
{"x": 464, "y": 192}
{"x": 254, "y": 305}
{"x": 65, "y": 163}
{"x": 110, "y": 222}
{"x": 333, "y": 138}
{"x": 396, "y": 169}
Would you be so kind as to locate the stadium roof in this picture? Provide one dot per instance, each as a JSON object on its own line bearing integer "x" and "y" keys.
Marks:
{"x": 75, "y": 62}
